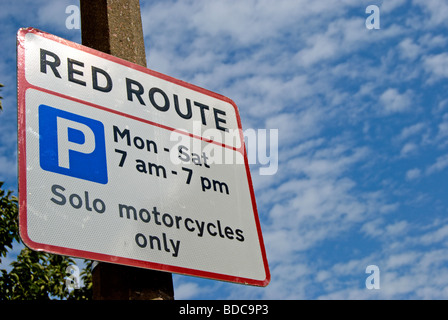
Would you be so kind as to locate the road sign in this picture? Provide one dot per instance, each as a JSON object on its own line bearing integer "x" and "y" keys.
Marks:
{"x": 119, "y": 163}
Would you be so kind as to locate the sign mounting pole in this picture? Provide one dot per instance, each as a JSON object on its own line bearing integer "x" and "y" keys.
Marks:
{"x": 115, "y": 27}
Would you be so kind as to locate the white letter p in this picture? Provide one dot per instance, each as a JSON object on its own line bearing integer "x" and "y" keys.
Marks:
{"x": 64, "y": 145}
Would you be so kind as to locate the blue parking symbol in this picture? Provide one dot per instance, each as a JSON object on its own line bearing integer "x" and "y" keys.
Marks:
{"x": 72, "y": 145}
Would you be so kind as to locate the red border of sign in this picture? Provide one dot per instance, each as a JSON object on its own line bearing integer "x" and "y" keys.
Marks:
{"x": 23, "y": 85}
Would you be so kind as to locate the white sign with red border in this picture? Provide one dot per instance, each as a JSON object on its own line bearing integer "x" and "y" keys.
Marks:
{"x": 121, "y": 164}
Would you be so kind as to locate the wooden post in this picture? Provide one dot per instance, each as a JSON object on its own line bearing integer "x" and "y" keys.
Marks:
{"x": 117, "y": 282}
{"x": 115, "y": 27}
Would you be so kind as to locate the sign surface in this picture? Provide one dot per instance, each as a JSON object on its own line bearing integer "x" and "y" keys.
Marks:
{"x": 121, "y": 164}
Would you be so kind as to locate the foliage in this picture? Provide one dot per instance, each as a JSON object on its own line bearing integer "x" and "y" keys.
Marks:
{"x": 9, "y": 226}
{"x": 34, "y": 275}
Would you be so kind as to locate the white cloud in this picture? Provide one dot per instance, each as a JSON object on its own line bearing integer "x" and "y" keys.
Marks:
{"x": 341, "y": 37}
{"x": 266, "y": 96}
{"x": 404, "y": 273}
{"x": 413, "y": 174}
{"x": 437, "y": 65}
{"x": 442, "y": 134}
{"x": 373, "y": 228}
{"x": 401, "y": 259}
{"x": 186, "y": 291}
{"x": 437, "y": 11}
{"x": 440, "y": 164}
{"x": 52, "y": 13}
{"x": 410, "y": 131}
{"x": 436, "y": 236}
{"x": 433, "y": 41}
{"x": 393, "y": 101}
{"x": 309, "y": 210}
{"x": 294, "y": 127}
{"x": 321, "y": 47}
{"x": 408, "y": 148}
{"x": 8, "y": 168}
{"x": 408, "y": 49}
{"x": 8, "y": 128}
{"x": 390, "y": 5}
{"x": 397, "y": 229}
{"x": 259, "y": 19}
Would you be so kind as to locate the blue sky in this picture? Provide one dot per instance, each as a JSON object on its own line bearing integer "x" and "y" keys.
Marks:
{"x": 363, "y": 131}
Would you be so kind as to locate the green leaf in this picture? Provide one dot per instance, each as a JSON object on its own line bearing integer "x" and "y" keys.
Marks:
{"x": 34, "y": 275}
